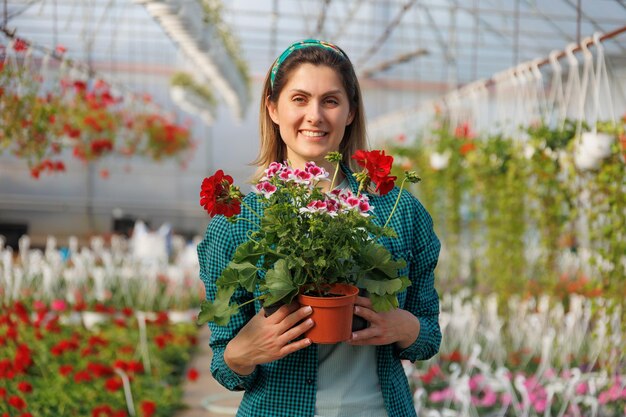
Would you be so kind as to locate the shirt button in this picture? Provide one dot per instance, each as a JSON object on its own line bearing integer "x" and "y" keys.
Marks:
{"x": 309, "y": 381}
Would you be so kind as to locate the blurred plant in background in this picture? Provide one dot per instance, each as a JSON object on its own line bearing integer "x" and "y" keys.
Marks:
{"x": 43, "y": 113}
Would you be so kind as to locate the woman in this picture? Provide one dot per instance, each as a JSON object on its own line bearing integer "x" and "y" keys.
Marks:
{"x": 312, "y": 105}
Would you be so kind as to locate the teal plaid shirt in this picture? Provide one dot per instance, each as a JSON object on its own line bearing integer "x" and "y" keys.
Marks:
{"x": 287, "y": 387}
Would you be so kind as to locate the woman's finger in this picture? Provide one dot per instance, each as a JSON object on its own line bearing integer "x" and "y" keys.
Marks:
{"x": 368, "y": 314}
{"x": 280, "y": 314}
{"x": 295, "y": 346}
{"x": 295, "y": 317}
{"x": 363, "y": 301}
{"x": 296, "y": 331}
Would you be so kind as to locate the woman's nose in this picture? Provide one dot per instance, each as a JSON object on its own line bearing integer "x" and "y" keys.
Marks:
{"x": 314, "y": 113}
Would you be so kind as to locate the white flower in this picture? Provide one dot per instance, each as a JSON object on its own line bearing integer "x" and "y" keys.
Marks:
{"x": 439, "y": 161}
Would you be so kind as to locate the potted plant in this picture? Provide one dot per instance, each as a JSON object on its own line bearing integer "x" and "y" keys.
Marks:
{"x": 307, "y": 242}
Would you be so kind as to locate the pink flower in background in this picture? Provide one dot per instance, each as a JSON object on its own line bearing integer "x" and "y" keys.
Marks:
{"x": 506, "y": 399}
{"x": 58, "y": 305}
{"x": 443, "y": 395}
{"x": 582, "y": 388}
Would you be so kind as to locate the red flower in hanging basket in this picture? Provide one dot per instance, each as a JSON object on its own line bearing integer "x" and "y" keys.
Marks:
{"x": 467, "y": 147}
{"x": 20, "y": 45}
{"x": 464, "y": 131}
{"x": 218, "y": 196}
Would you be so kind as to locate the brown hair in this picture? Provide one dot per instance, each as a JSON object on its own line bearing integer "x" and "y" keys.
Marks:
{"x": 273, "y": 149}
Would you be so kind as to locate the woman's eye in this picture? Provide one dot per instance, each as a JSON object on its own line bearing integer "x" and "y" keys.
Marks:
{"x": 332, "y": 101}
{"x": 299, "y": 99}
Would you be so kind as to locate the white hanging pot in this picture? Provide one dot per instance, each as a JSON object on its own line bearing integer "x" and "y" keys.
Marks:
{"x": 439, "y": 161}
{"x": 597, "y": 144}
{"x": 584, "y": 160}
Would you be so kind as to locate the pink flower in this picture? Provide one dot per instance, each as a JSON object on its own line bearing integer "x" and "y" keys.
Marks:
{"x": 302, "y": 177}
{"x": 475, "y": 382}
{"x": 39, "y": 305}
{"x": 58, "y": 305}
{"x": 286, "y": 174}
{"x": 315, "y": 206}
{"x": 273, "y": 169}
{"x": 318, "y": 173}
{"x": 581, "y": 388}
{"x": 266, "y": 188}
{"x": 506, "y": 398}
{"x": 441, "y": 396}
{"x": 489, "y": 399}
{"x": 364, "y": 207}
{"x": 540, "y": 405}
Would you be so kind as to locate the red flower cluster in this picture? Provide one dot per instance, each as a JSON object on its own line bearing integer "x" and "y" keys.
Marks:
{"x": 105, "y": 410}
{"x": 47, "y": 165}
{"x": 218, "y": 196}
{"x": 378, "y": 167}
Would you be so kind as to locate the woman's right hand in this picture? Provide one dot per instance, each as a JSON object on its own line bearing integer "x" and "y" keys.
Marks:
{"x": 266, "y": 339}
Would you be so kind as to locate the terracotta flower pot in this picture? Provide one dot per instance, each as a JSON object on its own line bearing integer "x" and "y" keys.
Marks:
{"x": 332, "y": 314}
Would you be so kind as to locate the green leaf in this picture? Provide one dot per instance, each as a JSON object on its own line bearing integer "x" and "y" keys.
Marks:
{"x": 243, "y": 274}
{"x": 376, "y": 256}
{"x": 220, "y": 310}
{"x": 391, "y": 267}
{"x": 390, "y": 286}
{"x": 249, "y": 252}
{"x": 382, "y": 303}
{"x": 279, "y": 283}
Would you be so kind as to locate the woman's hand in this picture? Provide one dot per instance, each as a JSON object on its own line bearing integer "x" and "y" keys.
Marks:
{"x": 266, "y": 339}
{"x": 396, "y": 326}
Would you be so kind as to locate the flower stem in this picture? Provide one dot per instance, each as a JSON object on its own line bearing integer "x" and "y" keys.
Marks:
{"x": 249, "y": 221}
{"x": 251, "y": 300}
{"x": 251, "y": 209}
{"x": 396, "y": 204}
{"x": 332, "y": 183}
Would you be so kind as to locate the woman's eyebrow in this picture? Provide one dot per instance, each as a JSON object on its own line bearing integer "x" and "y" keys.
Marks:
{"x": 306, "y": 93}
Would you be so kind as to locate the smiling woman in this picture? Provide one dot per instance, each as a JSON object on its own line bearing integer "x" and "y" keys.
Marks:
{"x": 311, "y": 106}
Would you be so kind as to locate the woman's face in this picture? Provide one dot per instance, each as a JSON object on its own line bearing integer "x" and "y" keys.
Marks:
{"x": 312, "y": 112}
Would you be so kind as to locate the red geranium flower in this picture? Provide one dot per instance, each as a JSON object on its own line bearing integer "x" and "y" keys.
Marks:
{"x": 65, "y": 369}
{"x": 82, "y": 376}
{"x": 104, "y": 410}
{"x": 218, "y": 196}
{"x": 17, "y": 402}
{"x": 378, "y": 167}
{"x": 113, "y": 384}
{"x": 25, "y": 387}
{"x": 148, "y": 408}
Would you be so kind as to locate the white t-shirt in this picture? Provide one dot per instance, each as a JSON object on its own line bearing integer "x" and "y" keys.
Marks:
{"x": 347, "y": 382}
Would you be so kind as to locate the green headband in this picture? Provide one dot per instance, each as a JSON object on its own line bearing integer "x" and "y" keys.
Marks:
{"x": 301, "y": 45}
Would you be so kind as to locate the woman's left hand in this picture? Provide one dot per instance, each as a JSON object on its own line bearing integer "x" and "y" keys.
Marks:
{"x": 394, "y": 326}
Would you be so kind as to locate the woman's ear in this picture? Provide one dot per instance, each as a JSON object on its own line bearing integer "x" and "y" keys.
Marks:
{"x": 350, "y": 117}
{"x": 272, "y": 109}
